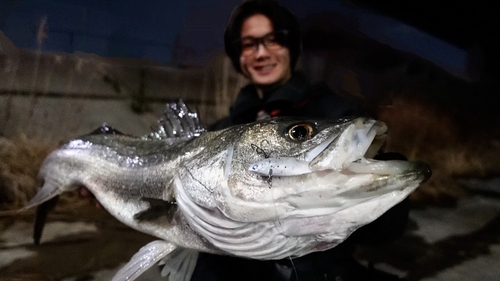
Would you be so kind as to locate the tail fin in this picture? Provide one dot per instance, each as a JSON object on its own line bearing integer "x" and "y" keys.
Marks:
{"x": 42, "y": 212}
{"x": 48, "y": 191}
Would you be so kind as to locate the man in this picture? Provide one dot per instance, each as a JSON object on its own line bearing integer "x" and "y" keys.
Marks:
{"x": 263, "y": 42}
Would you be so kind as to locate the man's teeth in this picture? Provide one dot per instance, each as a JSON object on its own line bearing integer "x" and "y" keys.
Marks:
{"x": 264, "y": 68}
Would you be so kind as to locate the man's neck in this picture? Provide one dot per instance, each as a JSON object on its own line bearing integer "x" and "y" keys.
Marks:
{"x": 262, "y": 89}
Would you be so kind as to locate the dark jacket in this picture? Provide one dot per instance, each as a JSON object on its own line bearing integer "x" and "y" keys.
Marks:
{"x": 295, "y": 98}
{"x": 299, "y": 98}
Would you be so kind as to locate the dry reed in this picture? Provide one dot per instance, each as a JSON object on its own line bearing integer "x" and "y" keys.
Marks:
{"x": 422, "y": 132}
{"x": 20, "y": 160}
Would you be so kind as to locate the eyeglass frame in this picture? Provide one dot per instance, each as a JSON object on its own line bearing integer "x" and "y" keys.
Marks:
{"x": 260, "y": 40}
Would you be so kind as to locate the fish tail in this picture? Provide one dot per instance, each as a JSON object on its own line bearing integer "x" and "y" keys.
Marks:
{"x": 47, "y": 192}
{"x": 42, "y": 212}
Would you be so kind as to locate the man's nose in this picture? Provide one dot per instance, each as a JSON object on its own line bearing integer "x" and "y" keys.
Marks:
{"x": 261, "y": 50}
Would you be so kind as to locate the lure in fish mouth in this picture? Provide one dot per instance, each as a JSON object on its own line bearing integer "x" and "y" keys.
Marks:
{"x": 277, "y": 188}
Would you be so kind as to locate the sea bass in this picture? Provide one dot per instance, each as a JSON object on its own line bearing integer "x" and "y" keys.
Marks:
{"x": 276, "y": 188}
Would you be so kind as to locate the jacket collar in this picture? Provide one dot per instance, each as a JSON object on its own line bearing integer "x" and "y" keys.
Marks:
{"x": 292, "y": 92}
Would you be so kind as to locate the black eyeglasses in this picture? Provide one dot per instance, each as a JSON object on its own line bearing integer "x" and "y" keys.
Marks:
{"x": 272, "y": 41}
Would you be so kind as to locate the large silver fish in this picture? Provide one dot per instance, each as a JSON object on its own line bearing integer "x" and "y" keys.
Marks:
{"x": 277, "y": 188}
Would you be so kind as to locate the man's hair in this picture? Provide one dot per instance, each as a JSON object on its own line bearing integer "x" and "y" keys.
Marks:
{"x": 281, "y": 18}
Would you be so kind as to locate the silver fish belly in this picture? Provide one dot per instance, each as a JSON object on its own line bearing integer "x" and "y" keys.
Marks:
{"x": 277, "y": 188}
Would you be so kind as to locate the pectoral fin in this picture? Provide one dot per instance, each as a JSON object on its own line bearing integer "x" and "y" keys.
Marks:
{"x": 157, "y": 208}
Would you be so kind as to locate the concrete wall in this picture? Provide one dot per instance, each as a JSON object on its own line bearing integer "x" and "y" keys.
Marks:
{"x": 59, "y": 96}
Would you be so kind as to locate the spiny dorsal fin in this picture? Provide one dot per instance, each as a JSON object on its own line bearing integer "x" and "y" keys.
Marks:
{"x": 178, "y": 123}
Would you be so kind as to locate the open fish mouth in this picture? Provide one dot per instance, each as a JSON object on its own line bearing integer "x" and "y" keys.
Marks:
{"x": 354, "y": 151}
{"x": 360, "y": 141}
{"x": 358, "y": 151}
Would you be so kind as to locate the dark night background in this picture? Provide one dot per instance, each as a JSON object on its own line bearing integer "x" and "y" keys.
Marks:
{"x": 460, "y": 37}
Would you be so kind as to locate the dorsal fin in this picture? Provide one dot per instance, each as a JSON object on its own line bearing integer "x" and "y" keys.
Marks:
{"x": 106, "y": 129}
{"x": 178, "y": 123}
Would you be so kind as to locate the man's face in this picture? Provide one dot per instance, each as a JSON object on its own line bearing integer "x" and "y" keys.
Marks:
{"x": 264, "y": 67}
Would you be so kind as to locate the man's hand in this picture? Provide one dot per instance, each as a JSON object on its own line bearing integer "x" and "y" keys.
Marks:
{"x": 84, "y": 192}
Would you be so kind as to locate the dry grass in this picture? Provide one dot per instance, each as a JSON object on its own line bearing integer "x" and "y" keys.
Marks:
{"x": 20, "y": 160}
{"x": 422, "y": 132}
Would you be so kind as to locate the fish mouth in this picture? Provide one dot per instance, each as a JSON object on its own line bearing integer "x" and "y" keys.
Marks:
{"x": 357, "y": 150}
{"x": 360, "y": 140}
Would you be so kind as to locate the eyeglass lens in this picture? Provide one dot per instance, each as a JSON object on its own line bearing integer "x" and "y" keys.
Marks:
{"x": 272, "y": 41}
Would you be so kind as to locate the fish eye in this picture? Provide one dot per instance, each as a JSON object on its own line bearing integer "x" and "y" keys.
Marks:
{"x": 301, "y": 132}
